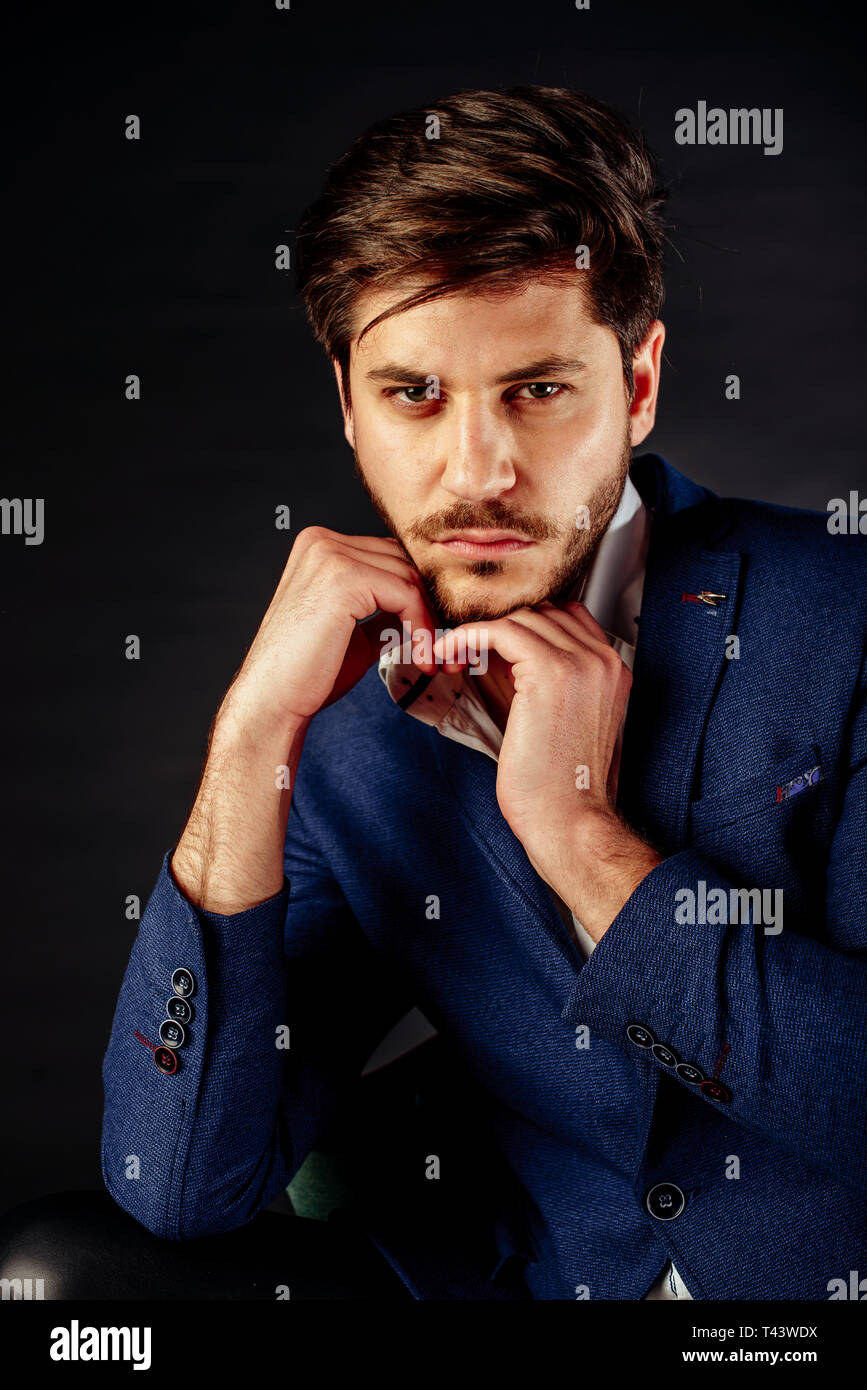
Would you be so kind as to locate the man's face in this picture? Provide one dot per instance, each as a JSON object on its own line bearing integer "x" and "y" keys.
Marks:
{"x": 493, "y": 435}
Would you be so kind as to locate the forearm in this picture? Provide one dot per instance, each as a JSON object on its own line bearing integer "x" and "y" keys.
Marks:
{"x": 230, "y": 855}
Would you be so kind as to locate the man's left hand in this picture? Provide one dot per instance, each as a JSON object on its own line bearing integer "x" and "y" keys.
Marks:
{"x": 556, "y": 773}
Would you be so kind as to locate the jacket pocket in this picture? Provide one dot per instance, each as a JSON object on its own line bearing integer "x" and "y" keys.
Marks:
{"x": 774, "y": 790}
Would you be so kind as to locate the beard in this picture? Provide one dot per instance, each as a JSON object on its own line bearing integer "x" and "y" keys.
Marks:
{"x": 562, "y": 582}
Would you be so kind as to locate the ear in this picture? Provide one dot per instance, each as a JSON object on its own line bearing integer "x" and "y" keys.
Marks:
{"x": 646, "y": 367}
{"x": 348, "y": 428}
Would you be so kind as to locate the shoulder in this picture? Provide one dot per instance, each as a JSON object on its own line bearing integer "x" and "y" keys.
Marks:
{"x": 814, "y": 560}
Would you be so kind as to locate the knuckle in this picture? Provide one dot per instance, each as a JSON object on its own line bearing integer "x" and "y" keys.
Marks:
{"x": 334, "y": 564}
{"x": 310, "y": 534}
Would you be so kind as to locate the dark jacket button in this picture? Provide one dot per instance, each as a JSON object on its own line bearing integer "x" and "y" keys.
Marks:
{"x": 665, "y": 1201}
{"x": 665, "y": 1055}
{"x": 184, "y": 982}
{"x": 179, "y": 1009}
{"x": 167, "y": 1059}
{"x": 715, "y": 1090}
{"x": 639, "y": 1035}
{"x": 687, "y": 1072}
{"x": 171, "y": 1033}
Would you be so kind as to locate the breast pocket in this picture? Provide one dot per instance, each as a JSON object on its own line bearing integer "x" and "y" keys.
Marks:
{"x": 783, "y": 791}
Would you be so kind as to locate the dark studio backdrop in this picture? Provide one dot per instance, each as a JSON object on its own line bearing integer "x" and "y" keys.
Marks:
{"x": 156, "y": 257}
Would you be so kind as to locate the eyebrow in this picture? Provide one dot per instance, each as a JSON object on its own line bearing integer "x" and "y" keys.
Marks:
{"x": 533, "y": 371}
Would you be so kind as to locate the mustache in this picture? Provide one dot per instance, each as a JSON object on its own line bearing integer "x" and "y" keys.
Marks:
{"x": 495, "y": 516}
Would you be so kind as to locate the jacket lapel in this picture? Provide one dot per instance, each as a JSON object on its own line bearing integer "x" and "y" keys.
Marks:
{"x": 471, "y": 776}
{"x": 680, "y": 658}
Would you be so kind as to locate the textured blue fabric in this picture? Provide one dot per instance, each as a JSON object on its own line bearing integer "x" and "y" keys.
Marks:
{"x": 387, "y": 812}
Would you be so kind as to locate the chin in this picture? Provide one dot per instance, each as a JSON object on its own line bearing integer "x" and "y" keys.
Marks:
{"x": 484, "y": 603}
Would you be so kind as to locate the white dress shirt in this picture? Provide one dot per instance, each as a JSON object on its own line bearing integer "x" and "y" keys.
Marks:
{"x": 612, "y": 592}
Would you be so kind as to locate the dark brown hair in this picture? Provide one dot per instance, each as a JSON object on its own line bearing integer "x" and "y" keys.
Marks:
{"x": 515, "y": 181}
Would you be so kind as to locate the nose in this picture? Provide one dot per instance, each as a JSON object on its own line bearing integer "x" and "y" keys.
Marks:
{"x": 478, "y": 449}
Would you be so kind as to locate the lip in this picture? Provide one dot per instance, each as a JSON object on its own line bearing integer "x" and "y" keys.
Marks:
{"x": 481, "y": 543}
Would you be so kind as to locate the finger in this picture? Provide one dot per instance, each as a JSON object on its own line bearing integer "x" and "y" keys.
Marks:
{"x": 571, "y": 623}
{"x": 321, "y": 535}
{"x": 512, "y": 641}
{"x": 401, "y": 601}
{"x": 545, "y": 624}
{"x": 387, "y": 560}
{"x": 581, "y": 614}
{"x": 394, "y": 563}
{"x": 377, "y": 545}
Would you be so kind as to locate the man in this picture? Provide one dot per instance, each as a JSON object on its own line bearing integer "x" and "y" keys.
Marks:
{"x": 610, "y": 841}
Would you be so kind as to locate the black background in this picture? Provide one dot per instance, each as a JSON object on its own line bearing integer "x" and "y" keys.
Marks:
{"x": 156, "y": 257}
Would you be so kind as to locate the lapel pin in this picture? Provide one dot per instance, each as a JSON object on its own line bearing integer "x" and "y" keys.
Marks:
{"x": 704, "y": 596}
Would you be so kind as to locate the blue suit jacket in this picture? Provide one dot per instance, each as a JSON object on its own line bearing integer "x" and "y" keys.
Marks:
{"x": 386, "y": 812}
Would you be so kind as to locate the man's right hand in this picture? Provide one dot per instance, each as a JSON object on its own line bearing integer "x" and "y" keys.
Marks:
{"x": 309, "y": 651}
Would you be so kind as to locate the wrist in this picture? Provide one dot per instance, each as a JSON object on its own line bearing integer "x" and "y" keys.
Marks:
{"x": 244, "y": 727}
{"x": 579, "y": 842}
{"x": 597, "y": 835}
{"x": 595, "y": 866}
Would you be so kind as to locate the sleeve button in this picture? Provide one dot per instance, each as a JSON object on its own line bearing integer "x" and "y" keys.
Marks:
{"x": 639, "y": 1035}
{"x": 167, "y": 1060}
{"x": 183, "y": 982}
{"x": 179, "y": 1009}
{"x": 171, "y": 1033}
{"x": 715, "y": 1090}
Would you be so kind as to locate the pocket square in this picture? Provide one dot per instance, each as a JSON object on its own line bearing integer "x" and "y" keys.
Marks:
{"x": 799, "y": 783}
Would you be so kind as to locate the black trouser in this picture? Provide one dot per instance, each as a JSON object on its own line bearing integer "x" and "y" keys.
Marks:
{"x": 82, "y": 1245}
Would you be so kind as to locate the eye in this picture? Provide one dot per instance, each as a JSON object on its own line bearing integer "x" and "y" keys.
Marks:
{"x": 540, "y": 390}
{"x": 409, "y": 395}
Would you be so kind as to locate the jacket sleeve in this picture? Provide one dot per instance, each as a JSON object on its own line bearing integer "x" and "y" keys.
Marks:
{"x": 290, "y": 1000}
{"x": 792, "y": 1010}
